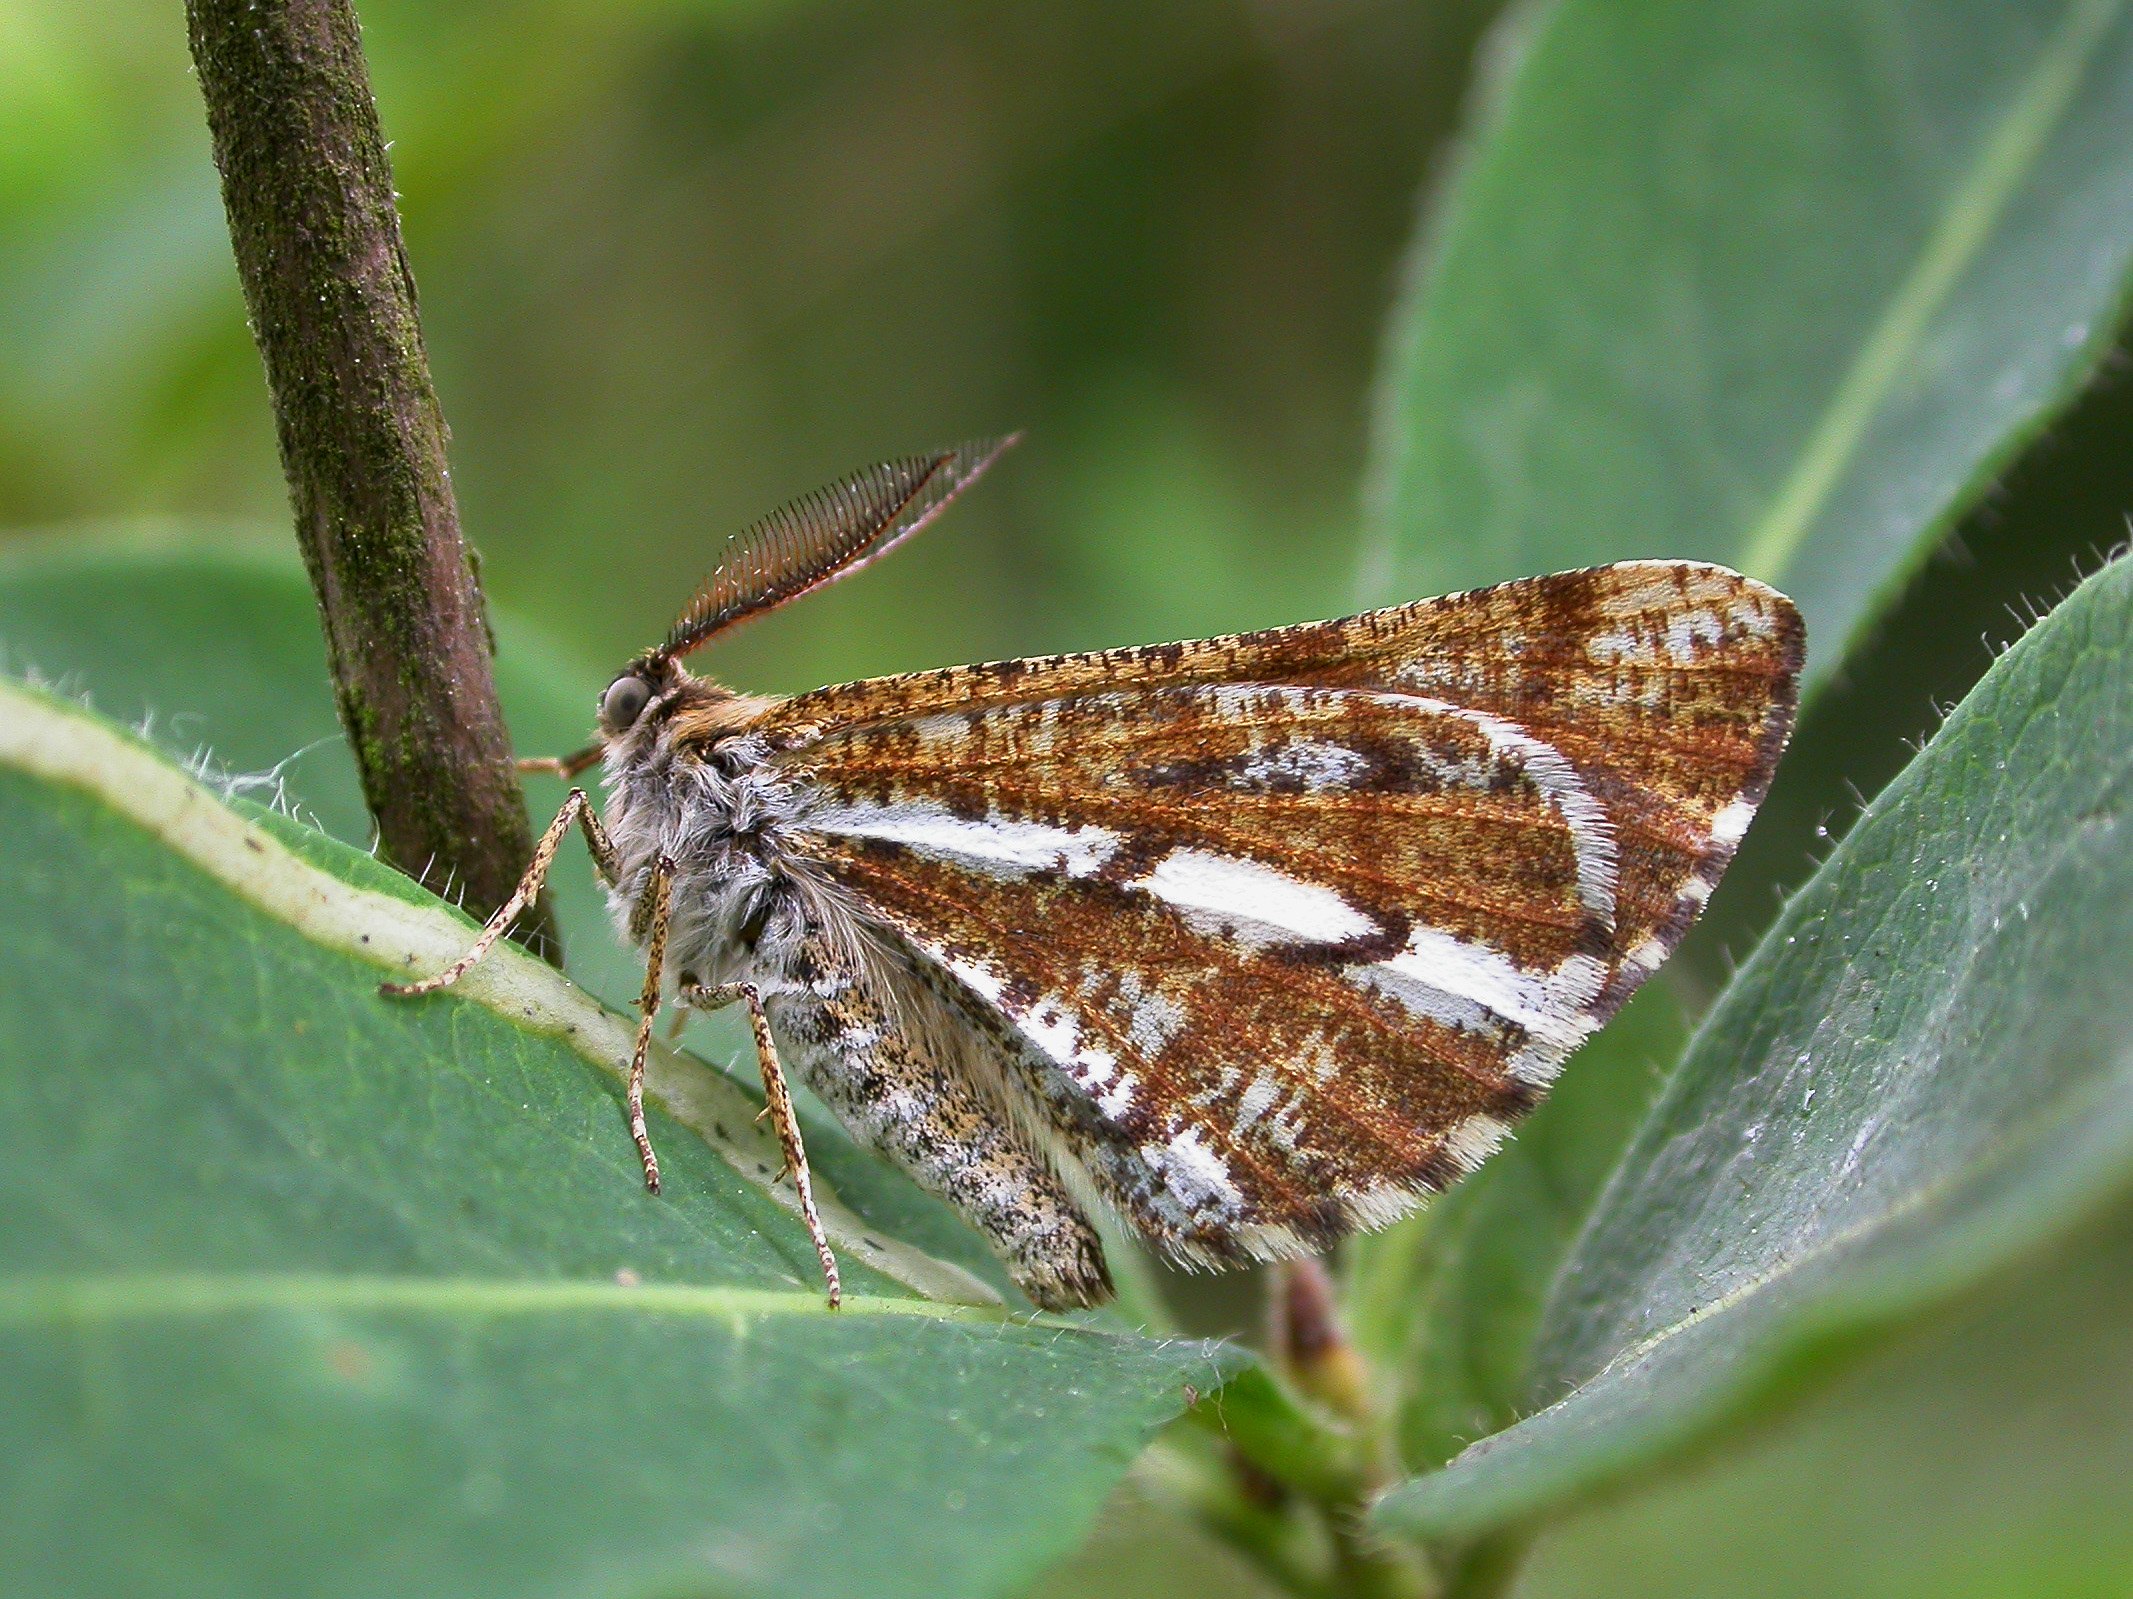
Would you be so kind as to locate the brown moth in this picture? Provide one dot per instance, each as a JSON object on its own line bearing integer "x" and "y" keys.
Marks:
{"x": 1257, "y": 941}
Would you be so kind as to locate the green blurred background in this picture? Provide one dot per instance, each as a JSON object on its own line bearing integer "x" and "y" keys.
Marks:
{"x": 681, "y": 260}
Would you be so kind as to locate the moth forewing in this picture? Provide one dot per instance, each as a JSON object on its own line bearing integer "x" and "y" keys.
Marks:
{"x": 1283, "y": 931}
{"x": 1258, "y": 940}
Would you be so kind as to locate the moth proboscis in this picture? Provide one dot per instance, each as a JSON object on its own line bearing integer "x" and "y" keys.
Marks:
{"x": 1257, "y": 941}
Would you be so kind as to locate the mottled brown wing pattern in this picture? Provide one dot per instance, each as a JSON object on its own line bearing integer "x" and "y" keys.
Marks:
{"x": 1284, "y": 930}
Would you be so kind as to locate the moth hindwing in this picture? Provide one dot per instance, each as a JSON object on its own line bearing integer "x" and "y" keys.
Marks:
{"x": 1257, "y": 940}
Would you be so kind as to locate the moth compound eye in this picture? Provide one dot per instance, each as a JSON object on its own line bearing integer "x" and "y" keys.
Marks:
{"x": 624, "y": 702}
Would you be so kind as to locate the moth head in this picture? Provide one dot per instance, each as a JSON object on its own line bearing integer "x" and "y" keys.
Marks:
{"x": 821, "y": 537}
{"x": 795, "y": 550}
{"x": 642, "y": 693}
{"x": 624, "y": 702}
{"x": 655, "y": 704}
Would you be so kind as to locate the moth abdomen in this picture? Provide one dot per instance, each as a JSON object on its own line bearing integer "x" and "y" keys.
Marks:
{"x": 902, "y": 1079}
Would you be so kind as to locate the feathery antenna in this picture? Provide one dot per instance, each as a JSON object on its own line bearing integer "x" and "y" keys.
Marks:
{"x": 826, "y": 535}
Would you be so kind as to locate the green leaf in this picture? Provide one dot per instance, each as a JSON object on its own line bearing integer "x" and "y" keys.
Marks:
{"x": 306, "y": 1291}
{"x": 1711, "y": 281}
{"x": 2049, "y": 520}
{"x": 1985, "y": 1455}
{"x": 1924, "y": 1071}
{"x": 1775, "y": 284}
{"x": 215, "y": 648}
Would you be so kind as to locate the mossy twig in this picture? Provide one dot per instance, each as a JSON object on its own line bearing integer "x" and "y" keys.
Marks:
{"x": 309, "y": 194}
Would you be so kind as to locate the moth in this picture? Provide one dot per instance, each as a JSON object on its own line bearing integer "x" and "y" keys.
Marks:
{"x": 1256, "y": 941}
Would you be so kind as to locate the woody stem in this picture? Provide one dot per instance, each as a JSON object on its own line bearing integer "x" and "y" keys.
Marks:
{"x": 309, "y": 195}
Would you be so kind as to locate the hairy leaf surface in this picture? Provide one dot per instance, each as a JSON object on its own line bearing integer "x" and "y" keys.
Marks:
{"x": 1776, "y": 285}
{"x": 1922, "y": 1073}
{"x": 307, "y": 1292}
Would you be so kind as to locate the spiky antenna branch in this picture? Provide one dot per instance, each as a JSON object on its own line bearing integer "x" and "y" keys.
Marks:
{"x": 309, "y": 193}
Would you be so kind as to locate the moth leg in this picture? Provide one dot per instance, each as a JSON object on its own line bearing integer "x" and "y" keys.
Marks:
{"x": 657, "y": 907}
{"x": 564, "y": 766}
{"x": 711, "y": 997}
{"x": 897, "y": 1094}
{"x": 779, "y": 1107}
{"x": 601, "y": 847}
{"x": 577, "y": 808}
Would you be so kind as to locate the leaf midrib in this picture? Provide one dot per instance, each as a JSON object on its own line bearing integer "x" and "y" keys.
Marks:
{"x": 54, "y": 1300}
{"x": 54, "y": 741}
{"x": 1974, "y": 207}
